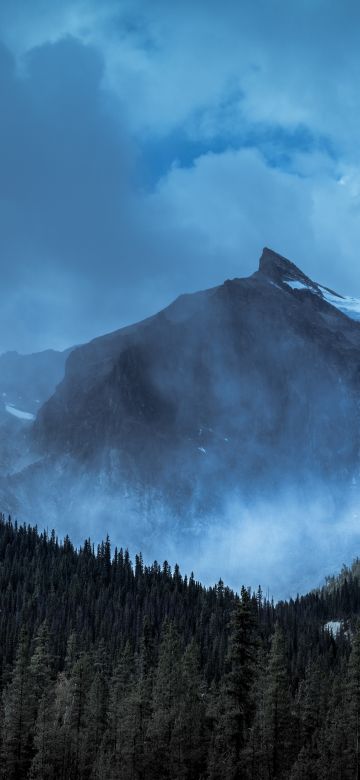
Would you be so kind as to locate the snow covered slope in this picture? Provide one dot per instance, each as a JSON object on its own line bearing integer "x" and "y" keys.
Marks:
{"x": 345, "y": 304}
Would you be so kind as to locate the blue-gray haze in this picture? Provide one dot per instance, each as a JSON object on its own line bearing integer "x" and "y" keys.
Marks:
{"x": 149, "y": 149}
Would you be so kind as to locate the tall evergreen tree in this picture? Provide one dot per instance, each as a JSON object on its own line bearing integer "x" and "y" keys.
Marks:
{"x": 43, "y": 766}
{"x": 114, "y": 735}
{"x": 353, "y": 704}
{"x": 236, "y": 704}
{"x": 165, "y": 701}
{"x": 189, "y": 739}
{"x": 95, "y": 713}
{"x": 75, "y": 716}
{"x": 18, "y": 717}
{"x": 278, "y": 715}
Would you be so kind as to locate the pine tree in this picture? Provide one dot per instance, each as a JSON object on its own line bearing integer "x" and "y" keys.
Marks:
{"x": 95, "y": 714}
{"x": 46, "y": 736}
{"x": 189, "y": 743}
{"x": 236, "y": 704}
{"x": 353, "y": 704}
{"x": 40, "y": 668}
{"x": 165, "y": 701}
{"x": 60, "y": 744}
{"x": 79, "y": 684}
{"x": 18, "y": 717}
{"x": 255, "y": 754}
{"x": 119, "y": 689}
{"x": 333, "y": 761}
{"x": 278, "y": 715}
{"x": 142, "y": 695}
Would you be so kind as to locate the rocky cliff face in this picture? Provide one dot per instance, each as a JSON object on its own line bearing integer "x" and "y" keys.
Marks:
{"x": 243, "y": 385}
{"x": 26, "y": 382}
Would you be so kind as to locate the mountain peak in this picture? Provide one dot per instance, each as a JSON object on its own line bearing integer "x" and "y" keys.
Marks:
{"x": 279, "y": 268}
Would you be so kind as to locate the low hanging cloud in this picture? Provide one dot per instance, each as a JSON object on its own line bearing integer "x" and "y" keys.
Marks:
{"x": 288, "y": 542}
{"x": 148, "y": 151}
{"x": 228, "y": 203}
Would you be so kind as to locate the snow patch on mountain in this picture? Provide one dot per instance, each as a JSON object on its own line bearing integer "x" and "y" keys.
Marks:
{"x": 21, "y": 415}
{"x": 295, "y": 285}
{"x": 346, "y": 304}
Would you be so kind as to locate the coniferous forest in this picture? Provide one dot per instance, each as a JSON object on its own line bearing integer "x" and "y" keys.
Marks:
{"x": 116, "y": 670}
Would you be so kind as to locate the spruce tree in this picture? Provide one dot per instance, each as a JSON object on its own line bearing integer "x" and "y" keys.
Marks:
{"x": 278, "y": 715}
{"x": 165, "y": 702}
{"x": 95, "y": 713}
{"x": 18, "y": 721}
{"x": 353, "y": 704}
{"x": 43, "y": 766}
{"x": 189, "y": 742}
{"x": 114, "y": 735}
{"x": 236, "y": 702}
{"x": 75, "y": 716}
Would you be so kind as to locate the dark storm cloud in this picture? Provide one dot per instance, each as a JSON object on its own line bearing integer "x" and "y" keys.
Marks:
{"x": 66, "y": 165}
{"x": 152, "y": 149}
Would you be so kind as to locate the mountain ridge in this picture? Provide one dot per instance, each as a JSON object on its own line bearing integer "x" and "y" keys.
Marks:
{"x": 272, "y": 264}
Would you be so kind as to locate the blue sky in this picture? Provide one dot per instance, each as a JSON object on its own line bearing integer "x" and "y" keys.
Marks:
{"x": 153, "y": 148}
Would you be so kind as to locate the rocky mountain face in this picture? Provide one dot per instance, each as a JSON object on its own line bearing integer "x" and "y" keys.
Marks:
{"x": 239, "y": 387}
{"x": 26, "y": 382}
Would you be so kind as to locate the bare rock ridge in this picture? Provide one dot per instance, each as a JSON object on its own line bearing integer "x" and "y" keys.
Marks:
{"x": 281, "y": 270}
{"x": 278, "y": 268}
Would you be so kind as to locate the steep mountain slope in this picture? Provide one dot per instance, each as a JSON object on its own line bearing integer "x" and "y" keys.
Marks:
{"x": 26, "y": 382}
{"x": 243, "y": 385}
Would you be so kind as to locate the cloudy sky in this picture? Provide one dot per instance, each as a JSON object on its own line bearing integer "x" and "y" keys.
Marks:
{"x": 149, "y": 148}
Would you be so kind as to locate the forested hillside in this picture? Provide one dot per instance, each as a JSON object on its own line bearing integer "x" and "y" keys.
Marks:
{"x": 115, "y": 670}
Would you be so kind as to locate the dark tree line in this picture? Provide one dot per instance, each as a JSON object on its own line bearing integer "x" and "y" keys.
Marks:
{"x": 117, "y": 671}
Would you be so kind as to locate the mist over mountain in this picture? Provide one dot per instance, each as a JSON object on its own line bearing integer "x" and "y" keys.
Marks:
{"x": 26, "y": 382}
{"x": 231, "y": 414}
{"x": 29, "y": 380}
{"x": 245, "y": 383}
